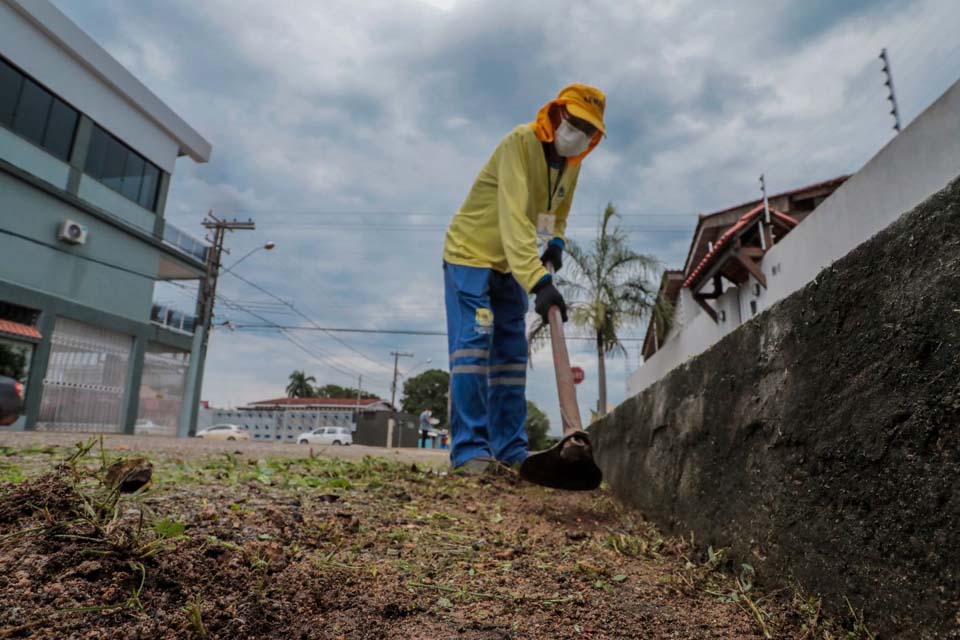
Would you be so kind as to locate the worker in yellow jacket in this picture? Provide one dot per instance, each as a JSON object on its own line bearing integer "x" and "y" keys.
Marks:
{"x": 491, "y": 260}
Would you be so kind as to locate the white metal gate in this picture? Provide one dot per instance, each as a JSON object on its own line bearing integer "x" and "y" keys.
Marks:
{"x": 84, "y": 387}
{"x": 162, "y": 390}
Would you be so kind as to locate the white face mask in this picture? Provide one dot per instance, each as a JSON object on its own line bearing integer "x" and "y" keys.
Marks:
{"x": 570, "y": 141}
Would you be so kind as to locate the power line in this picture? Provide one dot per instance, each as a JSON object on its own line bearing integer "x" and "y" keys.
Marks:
{"x": 307, "y": 318}
{"x": 400, "y": 332}
{"x": 367, "y": 227}
{"x": 306, "y": 349}
{"x": 396, "y": 332}
{"x": 419, "y": 214}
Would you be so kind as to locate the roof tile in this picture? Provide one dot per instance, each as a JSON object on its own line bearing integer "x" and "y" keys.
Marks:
{"x": 744, "y": 220}
{"x": 20, "y": 330}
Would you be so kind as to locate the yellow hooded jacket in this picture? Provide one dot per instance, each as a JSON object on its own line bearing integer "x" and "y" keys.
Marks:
{"x": 496, "y": 226}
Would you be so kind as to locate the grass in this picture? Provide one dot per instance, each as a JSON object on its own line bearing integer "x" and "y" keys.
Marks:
{"x": 455, "y": 540}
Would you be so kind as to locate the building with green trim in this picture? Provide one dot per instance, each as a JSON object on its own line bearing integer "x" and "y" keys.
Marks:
{"x": 86, "y": 157}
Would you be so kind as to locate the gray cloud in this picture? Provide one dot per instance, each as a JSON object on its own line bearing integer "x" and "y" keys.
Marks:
{"x": 333, "y": 122}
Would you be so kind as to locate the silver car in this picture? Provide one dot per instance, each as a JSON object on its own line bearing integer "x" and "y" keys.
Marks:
{"x": 224, "y": 432}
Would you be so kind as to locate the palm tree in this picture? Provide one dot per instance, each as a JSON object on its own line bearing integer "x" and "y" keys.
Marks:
{"x": 609, "y": 287}
{"x": 300, "y": 386}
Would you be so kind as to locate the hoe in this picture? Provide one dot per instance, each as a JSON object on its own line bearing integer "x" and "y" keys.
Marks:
{"x": 568, "y": 464}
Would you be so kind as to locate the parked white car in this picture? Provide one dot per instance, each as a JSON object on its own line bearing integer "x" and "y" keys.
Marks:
{"x": 327, "y": 435}
{"x": 224, "y": 432}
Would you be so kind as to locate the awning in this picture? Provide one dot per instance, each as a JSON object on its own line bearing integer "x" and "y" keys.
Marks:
{"x": 18, "y": 330}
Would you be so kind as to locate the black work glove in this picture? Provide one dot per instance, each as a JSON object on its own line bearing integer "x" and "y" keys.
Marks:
{"x": 553, "y": 254}
{"x": 548, "y": 296}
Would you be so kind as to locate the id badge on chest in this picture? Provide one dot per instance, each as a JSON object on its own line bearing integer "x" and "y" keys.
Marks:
{"x": 545, "y": 223}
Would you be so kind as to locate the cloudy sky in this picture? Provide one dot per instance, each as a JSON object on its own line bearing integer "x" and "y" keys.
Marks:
{"x": 351, "y": 130}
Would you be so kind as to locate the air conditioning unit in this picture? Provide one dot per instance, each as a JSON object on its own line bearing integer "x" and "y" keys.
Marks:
{"x": 72, "y": 232}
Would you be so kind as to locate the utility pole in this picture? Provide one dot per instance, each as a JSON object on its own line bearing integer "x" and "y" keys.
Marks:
{"x": 766, "y": 212}
{"x": 895, "y": 112}
{"x": 766, "y": 203}
{"x": 359, "y": 386}
{"x": 396, "y": 364}
{"x": 393, "y": 393}
{"x": 206, "y": 298}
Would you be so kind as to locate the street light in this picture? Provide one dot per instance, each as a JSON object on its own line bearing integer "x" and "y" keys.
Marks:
{"x": 415, "y": 367}
{"x": 266, "y": 247}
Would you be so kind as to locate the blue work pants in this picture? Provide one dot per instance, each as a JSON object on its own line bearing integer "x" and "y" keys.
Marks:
{"x": 486, "y": 332}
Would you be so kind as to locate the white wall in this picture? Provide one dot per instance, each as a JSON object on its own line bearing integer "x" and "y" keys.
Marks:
{"x": 31, "y": 50}
{"x": 914, "y": 165}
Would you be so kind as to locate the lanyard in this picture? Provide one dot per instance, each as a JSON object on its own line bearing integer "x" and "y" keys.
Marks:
{"x": 552, "y": 188}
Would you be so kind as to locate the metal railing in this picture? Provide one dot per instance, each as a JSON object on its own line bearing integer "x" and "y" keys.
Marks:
{"x": 173, "y": 319}
{"x": 185, "y": 242}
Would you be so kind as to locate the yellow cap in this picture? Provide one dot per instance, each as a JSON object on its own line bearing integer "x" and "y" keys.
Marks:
{"x": 585, "y": 102}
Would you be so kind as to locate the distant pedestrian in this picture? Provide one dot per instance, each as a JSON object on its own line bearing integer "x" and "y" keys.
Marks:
{"x": 425, "y": 425}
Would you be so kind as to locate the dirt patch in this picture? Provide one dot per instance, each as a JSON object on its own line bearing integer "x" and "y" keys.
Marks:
{"x": 236, "y": 547}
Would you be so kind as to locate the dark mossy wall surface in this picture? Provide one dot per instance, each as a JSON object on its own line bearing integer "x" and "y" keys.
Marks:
{"x": 821, "y": 440}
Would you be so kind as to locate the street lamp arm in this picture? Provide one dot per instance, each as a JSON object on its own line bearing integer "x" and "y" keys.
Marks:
{"x": 266, "y": 247}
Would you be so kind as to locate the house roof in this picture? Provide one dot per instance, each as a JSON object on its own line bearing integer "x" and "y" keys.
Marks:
{"x": 85, "y": 50}
{"x": 670, "y": 284}
{"x": 9, "y": 327}
{"x": 711, "y": 219}
{"x": 744, "y": 221}
{"x": 810, "y": 187}
{"x": 317, "y": 402}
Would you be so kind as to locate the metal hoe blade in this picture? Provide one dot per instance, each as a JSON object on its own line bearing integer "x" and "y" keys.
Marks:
{"x": 567, "y": 465}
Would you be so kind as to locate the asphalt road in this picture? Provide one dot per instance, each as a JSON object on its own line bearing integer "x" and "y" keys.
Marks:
{"x": 192, "y": 447}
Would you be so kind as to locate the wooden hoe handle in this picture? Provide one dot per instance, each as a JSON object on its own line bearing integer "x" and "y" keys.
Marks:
{"x": 566, "y": 390}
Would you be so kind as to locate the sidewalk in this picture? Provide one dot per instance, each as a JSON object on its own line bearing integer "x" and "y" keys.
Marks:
{"x": 193, "y": 448}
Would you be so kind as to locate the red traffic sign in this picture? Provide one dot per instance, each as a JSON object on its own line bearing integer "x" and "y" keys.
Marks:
{"x": 578, "y": 374}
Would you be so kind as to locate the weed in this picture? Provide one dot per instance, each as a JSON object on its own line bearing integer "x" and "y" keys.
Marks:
{"x": 194, "y": 611}
{"x": 133, "y": 602}
{"x": 860, "y": 629}
{"x": 169, "y": 528}
{"x": 634, "y": 546}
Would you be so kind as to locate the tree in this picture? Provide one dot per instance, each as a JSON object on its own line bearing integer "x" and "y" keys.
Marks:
{"x": 538, "y": 426}
{"x": 336, "y": 391}
{"x": 610, "y": 287}
{"x": 429, "y": 390}
{"x": 13, "y": 363}
{"x": 300, "y": 386}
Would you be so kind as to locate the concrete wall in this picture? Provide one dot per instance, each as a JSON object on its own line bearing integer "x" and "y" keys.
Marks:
{"x": 30, "y": 49}
{"x": 820, "y": 441}
{"x": 911, "y": 167}
{"x": 30, "y": 212}
{"x": 109, "y": 200}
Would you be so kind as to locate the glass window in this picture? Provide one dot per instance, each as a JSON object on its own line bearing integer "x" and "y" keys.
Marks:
{"x": 132, "y": 177}
{"x": 59, "y": 136}
{"x": 96, "y": 153}
{"x": 32, "y": 111}
{"x": 123, "y": 170}
{"x": 10, "y": 83}
{"x": 114, "y": 164}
